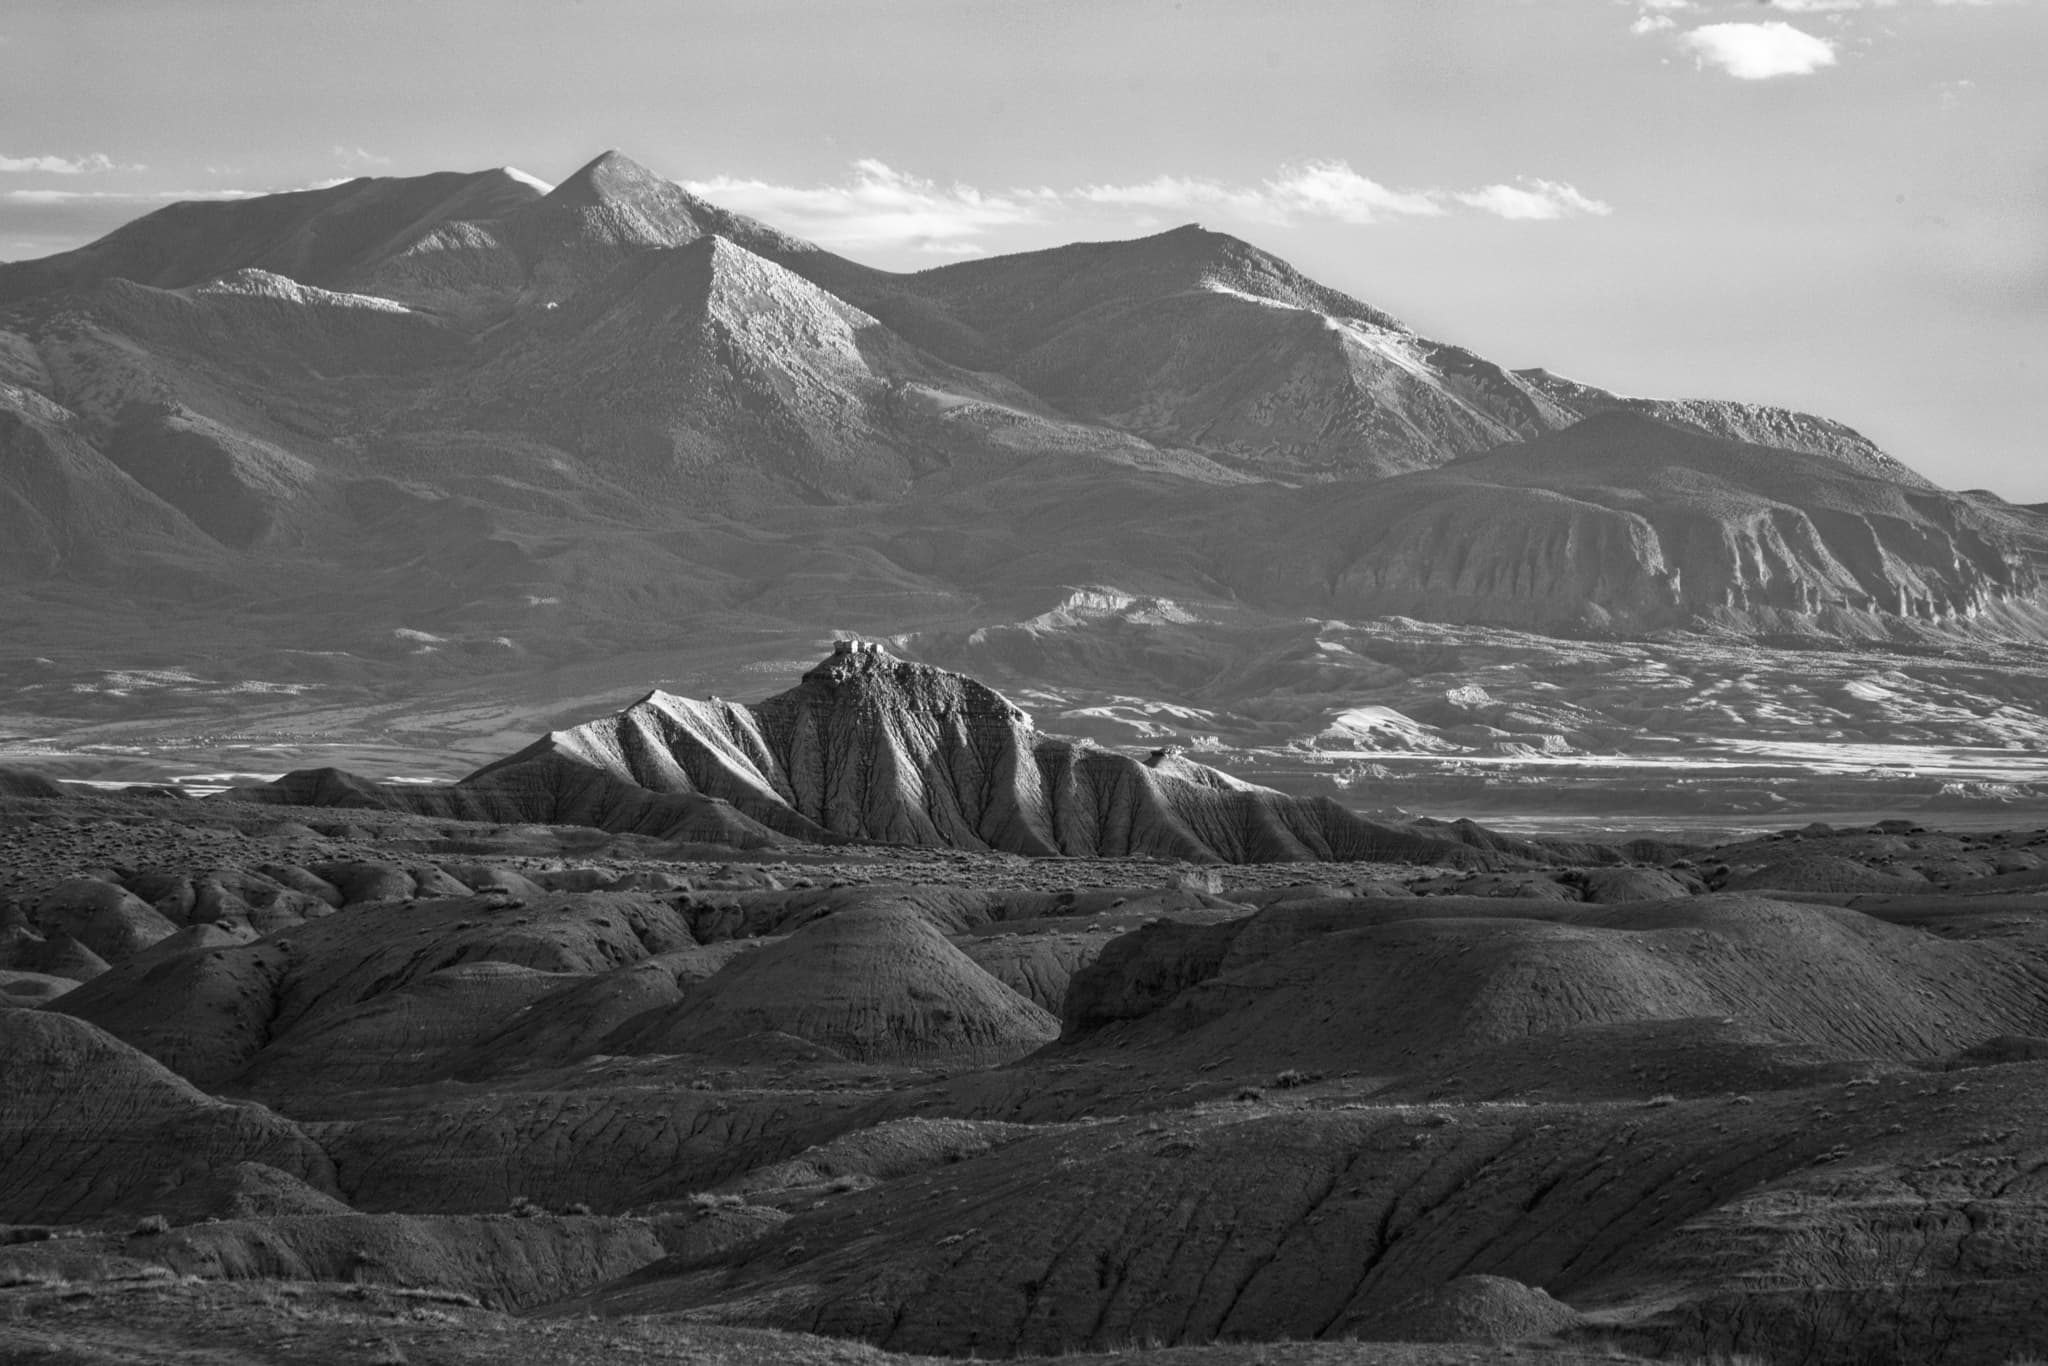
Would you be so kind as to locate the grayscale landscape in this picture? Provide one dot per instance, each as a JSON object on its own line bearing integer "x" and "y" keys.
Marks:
{"x": 584, "y": 778}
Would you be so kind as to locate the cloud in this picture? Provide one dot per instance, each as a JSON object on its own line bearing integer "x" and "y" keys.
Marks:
{"x": 1533, "y": 200}
{"x": 148, "y": 197}
{"x": 357, "y": 158}
{"x": 49, "y": 165}
{"x": 1315, "y": 189}
{"x": 1757, "y": 52}
{"x": 1652, "y": 23}
{"x": 879, "y": 206}
{"x": 1828, "y": 6}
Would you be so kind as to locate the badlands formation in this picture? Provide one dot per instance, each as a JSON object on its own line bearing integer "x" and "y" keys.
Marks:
{"x": 1080, "y": 944}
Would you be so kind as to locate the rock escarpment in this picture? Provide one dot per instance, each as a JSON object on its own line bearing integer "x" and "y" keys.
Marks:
{"x": 870, "y": 747}
{"x": 1629, "y": 523}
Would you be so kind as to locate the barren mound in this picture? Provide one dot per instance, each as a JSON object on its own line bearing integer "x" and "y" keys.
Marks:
{"x": 872, "y": 983}
{"x": 243, "y": 1190}
{"x": 413, "y": 1033}
{"x": 1259, "y": 1222}
{"x": 1392, "y": 994}
{"x": 211, "y": 1013}
{"x": 580, "y": 1018}
{"x": 1821, "y": 873}
{"x": 1490, "y": 1309}
{"x": 71, "y": 1151}
{"x": 19, "y": 782}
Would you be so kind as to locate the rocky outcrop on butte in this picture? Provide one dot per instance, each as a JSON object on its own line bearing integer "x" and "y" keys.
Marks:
{"x": 871, "y": 747}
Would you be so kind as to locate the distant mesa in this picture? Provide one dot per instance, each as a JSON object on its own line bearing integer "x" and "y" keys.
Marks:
{"x": 1626, "y": 523}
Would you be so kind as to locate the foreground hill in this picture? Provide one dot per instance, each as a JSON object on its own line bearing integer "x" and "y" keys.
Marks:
{"x": 1778, "y": 1098}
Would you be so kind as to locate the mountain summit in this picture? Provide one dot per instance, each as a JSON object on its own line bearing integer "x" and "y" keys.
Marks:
{"x": 526, "y": 425}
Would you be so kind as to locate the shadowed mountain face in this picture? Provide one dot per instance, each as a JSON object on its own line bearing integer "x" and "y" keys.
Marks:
{"x": 465, "y": 425}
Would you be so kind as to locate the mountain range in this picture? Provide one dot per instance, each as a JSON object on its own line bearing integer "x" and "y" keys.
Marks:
{"x": 473, "y": 427}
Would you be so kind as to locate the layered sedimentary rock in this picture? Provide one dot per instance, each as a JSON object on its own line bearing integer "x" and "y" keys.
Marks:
{"x": 1629, "y": 523}
{"x": 871, "y": 747}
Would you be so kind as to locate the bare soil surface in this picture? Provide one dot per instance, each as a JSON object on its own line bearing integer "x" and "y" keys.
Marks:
{"x": 361, "y": 1085}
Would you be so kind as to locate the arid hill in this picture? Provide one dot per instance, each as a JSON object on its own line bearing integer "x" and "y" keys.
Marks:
{"x": 1776, "y": 1096}
{"x": 873, "y": 748}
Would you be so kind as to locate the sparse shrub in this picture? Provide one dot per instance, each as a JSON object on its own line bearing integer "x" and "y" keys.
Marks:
{"x": 524, "y": 1208}
{"x": 705, "y": 1201}
{"x": 150, "y": 1226}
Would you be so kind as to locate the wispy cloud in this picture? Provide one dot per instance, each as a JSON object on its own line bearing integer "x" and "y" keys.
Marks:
{"x": 1828, "y": 6}
{"x": 880, "y": 206}
{"x": 1316, "y": 189}
{"x": 1759, "y": 52}
{"x": 1536, "y": 200}
{"x": 132, "y": 197}
{"x": 91, "y": 164}
{"x": 358, "y": 158}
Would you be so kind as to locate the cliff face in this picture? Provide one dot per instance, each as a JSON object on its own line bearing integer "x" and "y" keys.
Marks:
{"x": 1628, "y": 523}
{"x": 870, "y": 747}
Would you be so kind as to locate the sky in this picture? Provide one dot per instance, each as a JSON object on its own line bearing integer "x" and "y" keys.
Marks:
{"x": 1840, "y": 205}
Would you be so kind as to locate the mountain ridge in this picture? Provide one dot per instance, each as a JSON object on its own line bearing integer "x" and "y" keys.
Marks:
{"x": 495, "y": 428}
